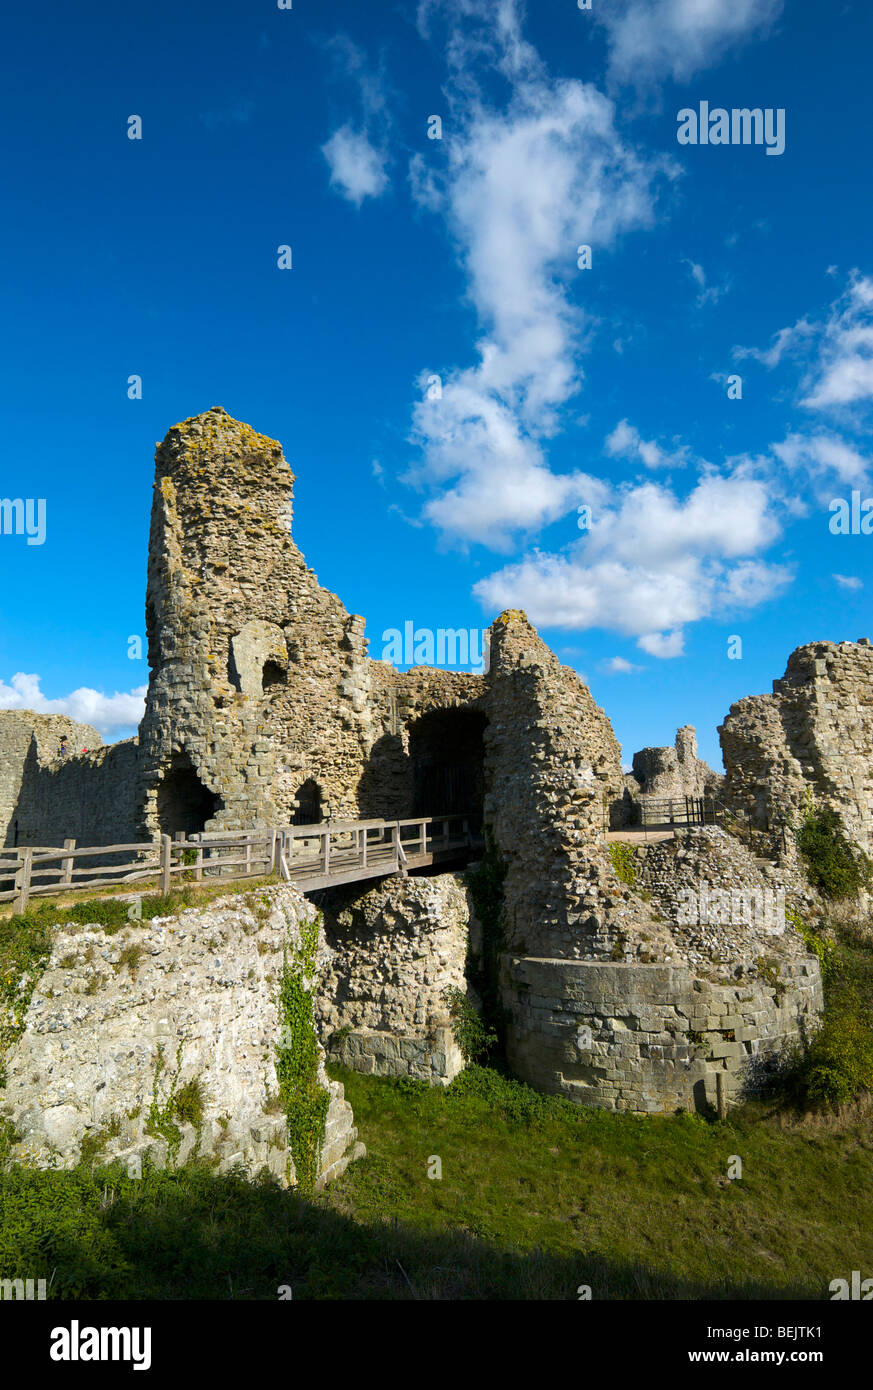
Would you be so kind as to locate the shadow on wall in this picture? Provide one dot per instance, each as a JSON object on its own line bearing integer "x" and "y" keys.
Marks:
{"x": 443, "y": 772}
{"x": 90, "y": 798}
{"x": 447, "y": 753}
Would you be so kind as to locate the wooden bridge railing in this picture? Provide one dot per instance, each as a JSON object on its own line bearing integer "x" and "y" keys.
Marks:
{"x": 312, "y": 856}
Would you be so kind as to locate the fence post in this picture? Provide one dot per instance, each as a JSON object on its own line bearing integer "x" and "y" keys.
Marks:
{"x": 364, "y": 834}
{"x": 326, "y": 852}
{"x": 271, "y": 860}
{"x": 67, "y": 864}
{"x": 198, "y": 866}
{"x": 166, "y": 860}
{"x": 22, "y": 881}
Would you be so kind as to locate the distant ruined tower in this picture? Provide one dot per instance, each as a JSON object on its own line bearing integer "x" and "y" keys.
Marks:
{"x": 255, "y": 707}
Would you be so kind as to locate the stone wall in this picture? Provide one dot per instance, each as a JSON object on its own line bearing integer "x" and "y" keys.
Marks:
{"x": 394, "y": 950}
{"x": 29, "y": 745}
{"x": 260, "y": 679}
{"x": 89, "y": 798}
{"x": 115, "y": 1022}
{"x": 812, "y": 736}
{"x": 263, "y": 703}
{"x": 402, "y": 708}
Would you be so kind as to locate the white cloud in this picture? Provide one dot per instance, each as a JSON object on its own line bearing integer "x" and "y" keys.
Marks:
{"x": 617, "y": 666}
{"x": 357, "y": 168}
{"x": 357, "y": 157}
{"x": 844, "y": 373}
{"x": 839, "y": 368}
{"x": 522, "y": 188}
{"x": 626, "y": 442}
{"x": 106, "y": 713}
{"x": 663, "y": 644}
{"x": 653, "y": 39}
{"x": 653, "y": 563}
{"x": 847, "y": 581}
{"x": 826, "y": 459}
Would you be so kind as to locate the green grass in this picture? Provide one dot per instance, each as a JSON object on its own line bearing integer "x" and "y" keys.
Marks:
{"x": 536, "y": 1198}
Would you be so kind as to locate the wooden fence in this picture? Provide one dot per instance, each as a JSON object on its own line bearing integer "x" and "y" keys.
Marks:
{"x": 678, "y": 810}
{"x": 313, "y": 856}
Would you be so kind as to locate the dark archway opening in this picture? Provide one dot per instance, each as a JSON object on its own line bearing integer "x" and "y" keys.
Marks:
{"x": 309, "y": 806}
{"x": 447, "y": 753}
{"x": 184, "y": 803}
{"x": 273, "y": 674}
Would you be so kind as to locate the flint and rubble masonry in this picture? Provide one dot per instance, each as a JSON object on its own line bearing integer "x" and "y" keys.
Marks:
{"x": 105, "y": 1041}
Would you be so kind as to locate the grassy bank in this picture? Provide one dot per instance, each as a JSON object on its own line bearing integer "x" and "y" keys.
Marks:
{"x": 535, "y": 1199}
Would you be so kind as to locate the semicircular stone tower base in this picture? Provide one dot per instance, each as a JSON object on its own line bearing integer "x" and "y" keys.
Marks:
{"x": 629, "y": 996}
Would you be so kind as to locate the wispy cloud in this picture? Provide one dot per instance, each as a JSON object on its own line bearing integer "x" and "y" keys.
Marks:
{"x": 824, "y": 458}
{"x": 785, "y": 341}
{"x": 357, "y": 168}
{"x": 520, "y": 188}
{"x": 843, "y": 376}
{"x": 617, "y": 666}
{"x": 847, "y": 581}
{"x": 836, "y": 351}
{"x": 707, "y": 294}
{"x": 357, "y": 153}
{"x": 653, "y": 39}
{"x": 626, "y": 442}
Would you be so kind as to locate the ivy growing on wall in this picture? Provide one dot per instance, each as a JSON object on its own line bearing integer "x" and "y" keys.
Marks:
{"x": 304, "y": 1101}
{"x": 183, "y": 1105}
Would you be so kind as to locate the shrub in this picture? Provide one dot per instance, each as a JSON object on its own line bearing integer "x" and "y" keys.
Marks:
{"x": 839, "y": 1060}
{"x": 473, "y": 1036}
{"x": 834, "y": 867}
{"x": 623, "y": 862}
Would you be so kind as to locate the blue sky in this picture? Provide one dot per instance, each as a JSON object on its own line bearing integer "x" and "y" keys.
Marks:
{"x": 456, "y": 258}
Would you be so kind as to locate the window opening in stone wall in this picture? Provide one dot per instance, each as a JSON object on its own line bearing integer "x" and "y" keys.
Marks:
{"x": 184, "y": 803}
{"x": 273, "y": 674}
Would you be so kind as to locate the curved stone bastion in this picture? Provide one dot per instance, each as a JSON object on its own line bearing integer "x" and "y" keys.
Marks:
{"x": 168, "y": 1040}
{"x": 719, "y": 980}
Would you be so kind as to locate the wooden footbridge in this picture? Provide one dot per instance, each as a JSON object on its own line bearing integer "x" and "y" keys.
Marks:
{"x": 310, "y": 856}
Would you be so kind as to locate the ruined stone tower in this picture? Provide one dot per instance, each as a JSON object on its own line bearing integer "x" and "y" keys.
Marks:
{"x": 812, "y": 736}
{"x": 255, "y": 701}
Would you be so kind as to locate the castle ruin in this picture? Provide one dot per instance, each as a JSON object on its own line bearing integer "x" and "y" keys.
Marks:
{"x": 264, "y": 709}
